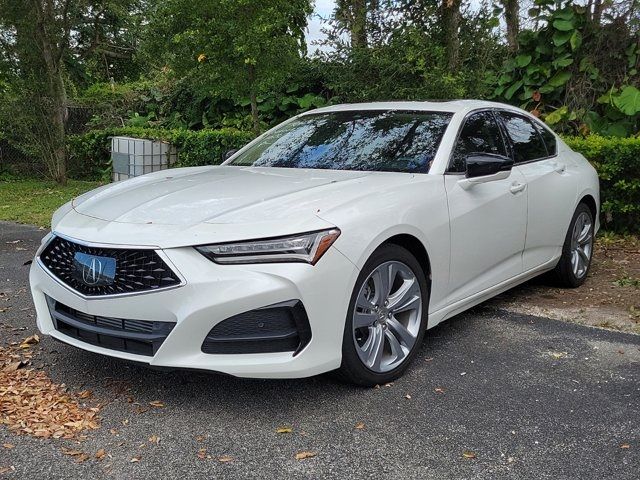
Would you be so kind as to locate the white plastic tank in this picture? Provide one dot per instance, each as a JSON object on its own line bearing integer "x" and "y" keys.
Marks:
{"x": 132, "y": 157}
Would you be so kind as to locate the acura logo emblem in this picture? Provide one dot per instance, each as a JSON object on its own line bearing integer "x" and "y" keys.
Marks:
{"x": 92, "y": 272}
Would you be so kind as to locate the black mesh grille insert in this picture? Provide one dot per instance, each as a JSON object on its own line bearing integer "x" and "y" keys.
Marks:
{"x": 141, "y": 337}
{"x": 278, "y": 328}
{"x": 132, "y": 271}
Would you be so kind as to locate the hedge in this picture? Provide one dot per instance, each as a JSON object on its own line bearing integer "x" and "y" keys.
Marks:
{"x": 617, "y": 161}
{"x": 89, "y": 156}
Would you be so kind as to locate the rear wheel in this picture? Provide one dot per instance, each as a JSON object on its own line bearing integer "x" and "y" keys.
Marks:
{"x": 387, "y": 317}
{"x": 574, "y": 264}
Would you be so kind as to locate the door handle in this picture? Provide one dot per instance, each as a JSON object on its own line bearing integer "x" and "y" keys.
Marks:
{"x": 517, "y": 187}
{"x": 558, "y": 167}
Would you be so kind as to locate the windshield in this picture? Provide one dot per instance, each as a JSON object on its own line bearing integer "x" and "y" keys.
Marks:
{"x": 390, "y": 141}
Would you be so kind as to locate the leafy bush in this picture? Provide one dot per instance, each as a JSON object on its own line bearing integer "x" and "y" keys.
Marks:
{"x": 617, "y": 161}
{"x": 89, "y": 153}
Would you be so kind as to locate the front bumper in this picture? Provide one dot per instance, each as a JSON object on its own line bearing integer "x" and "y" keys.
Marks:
{"x": 212, "y": 293}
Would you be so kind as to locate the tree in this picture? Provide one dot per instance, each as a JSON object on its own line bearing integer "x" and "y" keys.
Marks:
{"x": 235, "y": 48}
{"x": 41, "y": 42}
{"x": 451, "y": 30}
{"x": 36, "y": 34}
{"x": 352, "y": 16}
{"x": 512, "y": 19}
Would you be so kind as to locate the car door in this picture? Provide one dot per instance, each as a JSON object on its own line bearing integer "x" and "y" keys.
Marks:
{"x": 488, "y": 220}
{"x": 551, "y": 188}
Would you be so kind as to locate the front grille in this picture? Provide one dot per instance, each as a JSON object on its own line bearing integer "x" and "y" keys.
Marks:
{"x": 282, "y": 327}
{"x": 141, "y": 337}
{"x": 133, "y": 270}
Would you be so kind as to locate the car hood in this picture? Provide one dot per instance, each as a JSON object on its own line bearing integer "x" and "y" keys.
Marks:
{"x": 191, "y": 196}
{"x": 199, "y": 205}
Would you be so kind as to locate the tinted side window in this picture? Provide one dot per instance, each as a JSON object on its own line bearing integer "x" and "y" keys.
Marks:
{"x": 480, "y": 134}
{"x": 549, "y": 140}
{"x": 527, "y": 142}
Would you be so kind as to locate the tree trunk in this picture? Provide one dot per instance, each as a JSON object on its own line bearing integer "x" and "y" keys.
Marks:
{"x": 359, "y": 24}
{"x": 352, "y": 16}
{"x": 598, "y": 7}
{"x": 512, "y": 19}
{"x": 451, "y": 26}
{"x": 55, "y": 93}
{"x": 255, "y": 116}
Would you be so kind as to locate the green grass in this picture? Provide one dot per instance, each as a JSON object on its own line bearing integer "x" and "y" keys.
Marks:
{"x": 34, "y": 201}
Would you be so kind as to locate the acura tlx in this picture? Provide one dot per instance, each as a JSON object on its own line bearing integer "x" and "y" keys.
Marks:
{"x": 331, "y": 242}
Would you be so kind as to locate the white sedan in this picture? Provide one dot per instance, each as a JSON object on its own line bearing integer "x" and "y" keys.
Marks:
{"x": 331, "y": 242}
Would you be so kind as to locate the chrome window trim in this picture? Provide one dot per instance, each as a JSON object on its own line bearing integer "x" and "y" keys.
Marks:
{"x": 157, "y": 250}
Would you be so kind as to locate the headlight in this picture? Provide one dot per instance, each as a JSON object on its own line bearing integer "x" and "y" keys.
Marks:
{"x": 306, "y": 247}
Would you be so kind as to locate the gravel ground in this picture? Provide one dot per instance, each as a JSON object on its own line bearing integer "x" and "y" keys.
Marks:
{"x": 528, "y": 397}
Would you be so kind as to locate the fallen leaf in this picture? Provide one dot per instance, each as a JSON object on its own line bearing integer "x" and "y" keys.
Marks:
{"x": 557, "y": 355}
{"x": 85, "y": 394}
{"x": 625, "y": 445}
{"x": 359, "y": 426}
{"x": 135, "y": 459}
{"x": 200, "y": 438}
{"x": 468, "y": 454}
{"x": 303, "y": 455}
{"x": 202, "y": 453}
{"x": 284, "y": 430}
{"x": 621, "y": 352}
{"x": 71, "y": 452}
{"x": 32, "y": 340}
{"x": 4, "y": 470}
{"x": 113, "y": 431}
{"x": 100, "y": 454}
{"x": 12, "y": 367}
{"x": 407, "y": 396}
{"x": 157, "y": 404}
{"x": 390, "y": 384}
{"x": 154, "y": 439}
{"x": 439, "y": 390}
{"x": 8, "y": 445}
{"x": 225, "y": 459}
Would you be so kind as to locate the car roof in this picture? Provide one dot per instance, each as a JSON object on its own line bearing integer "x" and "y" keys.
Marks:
{"x": 451, "y": 106}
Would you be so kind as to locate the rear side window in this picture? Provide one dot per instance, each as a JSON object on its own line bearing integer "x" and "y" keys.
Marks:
{"x": 527, "y": 142}
{"x": 480, "y": 134}
{"x": 549, "y": 140}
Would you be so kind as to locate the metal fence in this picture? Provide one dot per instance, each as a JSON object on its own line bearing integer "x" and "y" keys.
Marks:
{"x": 17, "y": 161}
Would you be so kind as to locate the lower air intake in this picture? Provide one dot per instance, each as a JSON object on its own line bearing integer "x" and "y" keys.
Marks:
{"x": 283, "y": 327}
{"x": 141, "y": 337}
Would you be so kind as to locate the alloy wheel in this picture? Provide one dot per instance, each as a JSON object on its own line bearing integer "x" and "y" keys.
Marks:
{"x": 581, "y": 245}
{"x": 387, "y": 316}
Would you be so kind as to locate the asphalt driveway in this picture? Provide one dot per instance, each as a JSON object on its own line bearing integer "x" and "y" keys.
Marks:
{"x": 489, "y": 396}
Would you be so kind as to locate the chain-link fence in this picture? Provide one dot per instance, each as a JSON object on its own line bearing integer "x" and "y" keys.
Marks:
{"x": 16, "y": 152}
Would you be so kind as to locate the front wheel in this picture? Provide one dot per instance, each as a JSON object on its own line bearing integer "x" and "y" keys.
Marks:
{"x": 577, "y": 250}
{"x": 387, "y": 317}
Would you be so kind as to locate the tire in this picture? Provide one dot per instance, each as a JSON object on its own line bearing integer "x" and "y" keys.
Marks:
{"x": 403, "y": 317}
{"x": 574, "y": 264}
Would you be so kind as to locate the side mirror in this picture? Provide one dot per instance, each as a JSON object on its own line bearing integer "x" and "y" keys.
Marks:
{"x": 228, "y": 154}
{"x": 485, "y": 167}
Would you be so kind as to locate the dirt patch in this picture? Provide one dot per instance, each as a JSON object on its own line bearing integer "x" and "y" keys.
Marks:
{"x": 610, "y": 297}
